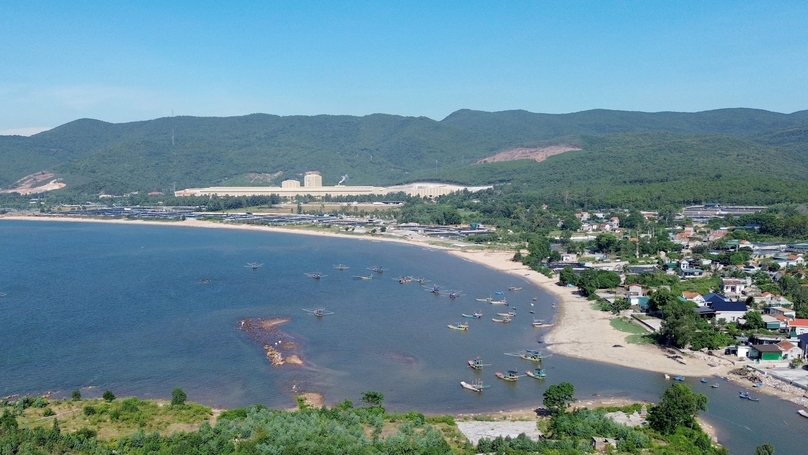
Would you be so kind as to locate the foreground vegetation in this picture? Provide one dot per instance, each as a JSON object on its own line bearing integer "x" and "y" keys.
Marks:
{"x": 132, "y": 426}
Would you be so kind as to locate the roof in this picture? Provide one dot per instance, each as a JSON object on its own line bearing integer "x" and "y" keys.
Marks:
{"x": 713, "y": 298}
{"x": 798, "y": 323}
{"x": 690, "y": 295}
{"x": 730, "y": 306}
{"x": 768, "y": 347}
{"x": 785, "y": 345}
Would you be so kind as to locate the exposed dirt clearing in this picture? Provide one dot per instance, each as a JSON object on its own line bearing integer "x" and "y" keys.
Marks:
{"x": 536, "y": 154}
{"x": 33, "y": 183}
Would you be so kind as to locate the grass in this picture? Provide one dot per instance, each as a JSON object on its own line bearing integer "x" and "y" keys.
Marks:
{"x": 118, "y": 418}
{"x": 627, "y": 326}
{"x": 639, "y": 338}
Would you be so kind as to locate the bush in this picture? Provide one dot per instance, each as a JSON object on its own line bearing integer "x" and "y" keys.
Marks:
{"x": 76, "y": 395}
{"x": 48, "y": 412}
{"x": 109, "y": 396}
{"x": 178, "y": 397}
{"x": 89, "y": 410}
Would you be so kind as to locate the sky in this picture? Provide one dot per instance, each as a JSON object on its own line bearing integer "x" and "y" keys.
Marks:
{"x": 127, "y": 61}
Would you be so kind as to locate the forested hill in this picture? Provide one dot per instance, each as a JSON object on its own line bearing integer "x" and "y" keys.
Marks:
{"x": 622, "y": 152}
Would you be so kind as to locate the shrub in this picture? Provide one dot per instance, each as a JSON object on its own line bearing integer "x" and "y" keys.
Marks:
{"x": 89, "y": 410}
{"x": 178, "y": 397}
{"x": 109, "y": 396}
{"x": 76, "y": 395}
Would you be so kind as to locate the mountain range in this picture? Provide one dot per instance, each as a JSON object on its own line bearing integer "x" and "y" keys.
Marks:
{"x": 736, "y": 155}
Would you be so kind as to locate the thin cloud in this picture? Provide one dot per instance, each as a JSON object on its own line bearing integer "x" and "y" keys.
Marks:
{"x": 27, "y": 131}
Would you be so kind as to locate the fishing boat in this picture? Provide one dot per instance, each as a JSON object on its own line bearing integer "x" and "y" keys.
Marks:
{"x": 476, "y": 386}
{"x": 319, "y": 312}
{"x": 485, "y": 300}
{"x": 537, "y": 373}
{"x": 514, "y": 289}
{"x": 803, "y": 413}
{"x": 509, "y": 314}
{"x": 743, "y": 394}
{"x": 533, "y": 356}
{"x": 454, "y": 294}
{"x": 341, "y": 267}
{"x": 679, "y": 378}
{"x": 510, "y": 375}
{"x": 363, "y": 277}
{"x": 377, "y": 269}
{"x": 498, "y": 302}
{"x": 459, "y": 326}
{"x": 253, "y": 265}
{"x": 757, "y": 384}
{"x": 703, "y": 381}
{"x": 404, "y": 280}
{"x": 315, "y": 275}
{"x": 751, "y": 398}
{"x": 435, "y": 289}
{"x": 477, "y": 315}
{"x": 715, "y": 386}
{"x": 504, "y": 320}
{"x": 421, "y": 280}
{"x": 667, "y": 376}
{"x": 477, "y": 363}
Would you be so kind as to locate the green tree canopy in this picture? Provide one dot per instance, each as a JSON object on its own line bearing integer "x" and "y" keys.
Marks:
{"x": 178, "y": 397}
{"x": 558, "y": 396}
{"x": 679, "y": 407}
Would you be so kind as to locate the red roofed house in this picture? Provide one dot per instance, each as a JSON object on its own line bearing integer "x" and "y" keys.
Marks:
{"x": 797, "y": 327}
{"x": 790, "y": 351}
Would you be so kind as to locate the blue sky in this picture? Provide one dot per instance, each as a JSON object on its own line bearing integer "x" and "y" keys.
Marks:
{"x": 128, "y": 61}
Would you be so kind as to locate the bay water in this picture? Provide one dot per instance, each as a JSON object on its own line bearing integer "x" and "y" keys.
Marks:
{"x": 142, "y": 309}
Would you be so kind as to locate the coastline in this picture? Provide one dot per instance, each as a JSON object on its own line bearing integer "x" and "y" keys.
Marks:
{"x": 578, "y": 331}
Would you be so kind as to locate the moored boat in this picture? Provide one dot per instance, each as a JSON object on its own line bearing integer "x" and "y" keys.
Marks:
{"x": 510, "y": 375}
{"x": 459, "y": 326}
{"x": 477, "y": 363}
{"x": 514, "y": 288}
{"x": 476, "y": 386}
{"x": 803, "y": 413}
{"x": 504, "y": 320}
{"x": 679, "y": 378}
{"x": 476, "y": 315}
{"x": 537, "y": 373}
{"x": 715, "y": 386}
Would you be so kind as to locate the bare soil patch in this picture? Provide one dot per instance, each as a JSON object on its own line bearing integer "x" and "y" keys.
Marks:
{"x": 537, "y": 154}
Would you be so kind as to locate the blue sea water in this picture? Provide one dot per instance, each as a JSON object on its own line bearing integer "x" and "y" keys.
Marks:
{"x": 96, "y": 306}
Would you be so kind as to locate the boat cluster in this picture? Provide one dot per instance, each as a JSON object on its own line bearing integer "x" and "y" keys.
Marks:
{"x": 509, "y": 375}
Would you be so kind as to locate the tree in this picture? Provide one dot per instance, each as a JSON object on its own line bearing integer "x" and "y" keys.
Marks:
{"x": 765, "y": 449}
{"x": 753, "y": 320}
{"x": 373, "y": 399}
{"x": 76, "y": 395}
{"x": 567, "y": 276}
{"x": 679, "y": 407}
{"x": 178, "y": 397}
{"x": 558, "y": 396}
{"x": 109, "y": 396}
{"x": 679, "y": 323}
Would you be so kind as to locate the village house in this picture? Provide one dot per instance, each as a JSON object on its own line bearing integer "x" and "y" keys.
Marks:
{"x": 773, "y": 323}
{"x": 691, "y": 273}
{"x": 729, "y": 311}
{"x": 733, "y": 286}
{"x": 780, "y": 311}
{"x": 765, "y": 352}
{"x": 797, "y": 327}
{"x": 694, "y": 297}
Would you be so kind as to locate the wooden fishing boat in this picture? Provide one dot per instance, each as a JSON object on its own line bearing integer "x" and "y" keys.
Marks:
{"x": 319, "y": 312}
{"x": 510, "y": 375}
{"x": 679, "y": 378}
{"x": 514, "y": 289}
{"x": 715, "y": 386}
{"x": 537, "y": 373}
{"x": 803, "y": 413}
{"x": 504, "y": 320}
{"x": 476, "y": 386}
{"x": 478, "y": 364}
{"x": 476, "y": 315}
{"x": 539, "y": 323}
{"x": 751, "y": 398}
{"x": 498, "y": 302}
{"x": 533, "y": 356}
{"x": 509, "y": 314}
{"x": 459, "y": 326}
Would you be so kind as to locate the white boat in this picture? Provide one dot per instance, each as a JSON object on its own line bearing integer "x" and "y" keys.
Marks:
{"x": 476, "y": 386}
{"x": 803, "y": 413}
{"x": 504, "y": 320}
{"x": 459, "y": 326}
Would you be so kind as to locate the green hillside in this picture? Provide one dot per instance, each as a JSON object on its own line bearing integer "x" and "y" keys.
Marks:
{"x": 732, "y": 155}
